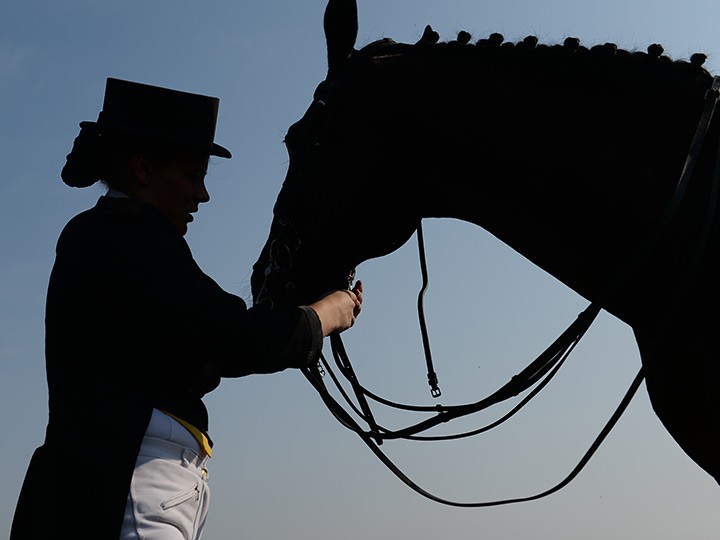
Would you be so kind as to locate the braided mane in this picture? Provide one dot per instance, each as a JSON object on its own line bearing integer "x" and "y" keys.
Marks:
{"x": 654, "y": 56}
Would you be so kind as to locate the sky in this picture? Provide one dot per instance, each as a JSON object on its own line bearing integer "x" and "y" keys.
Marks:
{"x": 282, "y": 466}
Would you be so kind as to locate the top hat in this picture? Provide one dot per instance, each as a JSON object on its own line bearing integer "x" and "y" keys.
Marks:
{"x": 168, "y": 114}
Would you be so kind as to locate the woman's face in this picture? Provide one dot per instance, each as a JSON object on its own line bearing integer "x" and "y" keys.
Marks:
{"x": 176, "y": 188}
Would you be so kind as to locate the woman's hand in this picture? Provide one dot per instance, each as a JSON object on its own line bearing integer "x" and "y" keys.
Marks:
{"x": 339, "y": 309}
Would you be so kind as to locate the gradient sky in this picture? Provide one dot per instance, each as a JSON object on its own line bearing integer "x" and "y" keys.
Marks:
{"x": 282, "y": 466}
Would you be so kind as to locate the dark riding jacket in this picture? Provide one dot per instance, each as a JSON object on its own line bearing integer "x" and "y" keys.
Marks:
{"x": 133, "y": 324}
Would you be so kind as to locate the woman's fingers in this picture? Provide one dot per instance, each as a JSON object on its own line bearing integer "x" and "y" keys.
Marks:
{"x": 358, "y": 290}
{"x": 338, "y": 309}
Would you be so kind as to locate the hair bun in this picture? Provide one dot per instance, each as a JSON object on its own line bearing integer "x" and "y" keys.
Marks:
{"x": 82, "y": 166}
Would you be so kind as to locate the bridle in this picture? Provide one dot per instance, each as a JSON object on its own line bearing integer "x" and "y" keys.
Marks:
{"x": 538, "y": 374}
{"x": 286, "y": 242}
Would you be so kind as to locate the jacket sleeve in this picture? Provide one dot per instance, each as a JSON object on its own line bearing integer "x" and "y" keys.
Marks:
{"x": 196, "y": 321}
{"x": 272, "y": 340}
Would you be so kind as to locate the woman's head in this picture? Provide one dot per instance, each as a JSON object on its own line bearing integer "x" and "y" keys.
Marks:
{"x": 173, "y": 183}
{"x": 152, "y": 144}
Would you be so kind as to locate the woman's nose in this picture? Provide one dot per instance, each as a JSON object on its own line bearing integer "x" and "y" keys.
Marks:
{"x": 201, "y": 193}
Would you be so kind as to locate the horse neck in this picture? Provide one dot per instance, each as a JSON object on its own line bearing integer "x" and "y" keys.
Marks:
{"x": 569, "y": 159}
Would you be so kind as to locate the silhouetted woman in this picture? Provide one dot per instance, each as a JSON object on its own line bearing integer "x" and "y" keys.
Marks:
{"x": 137, "y": 334}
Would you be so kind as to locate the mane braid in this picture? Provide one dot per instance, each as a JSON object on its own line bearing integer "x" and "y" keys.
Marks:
{"x": 571, "y": 48}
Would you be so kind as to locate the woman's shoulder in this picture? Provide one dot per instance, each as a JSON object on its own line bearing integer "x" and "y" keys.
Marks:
{"x": 123, "y": 238}
{"x": 114, "y": 220}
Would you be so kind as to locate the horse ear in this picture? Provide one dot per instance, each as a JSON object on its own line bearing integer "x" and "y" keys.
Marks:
{"x": 341, "y": 28}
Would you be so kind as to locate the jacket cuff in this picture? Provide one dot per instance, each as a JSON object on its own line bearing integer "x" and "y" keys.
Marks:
{"x": 316, "y": 336}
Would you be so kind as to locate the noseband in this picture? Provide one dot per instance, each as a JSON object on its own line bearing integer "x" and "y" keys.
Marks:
{"x": 283, "y": 248}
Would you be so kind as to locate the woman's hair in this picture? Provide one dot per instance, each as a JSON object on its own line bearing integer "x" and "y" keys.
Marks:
{"x": 99, "y": 154}
{"x": 82, "y": 166}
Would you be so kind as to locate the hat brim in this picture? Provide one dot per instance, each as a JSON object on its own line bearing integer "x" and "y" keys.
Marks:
{"x": 215, "y": 149}
{"x": 220, "y": 151}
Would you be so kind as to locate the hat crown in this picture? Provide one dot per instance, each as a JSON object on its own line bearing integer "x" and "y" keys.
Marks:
{"x": 162, "y": 112}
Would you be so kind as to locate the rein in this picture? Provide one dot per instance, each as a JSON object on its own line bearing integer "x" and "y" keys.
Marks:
{"x": 538, "y": 373}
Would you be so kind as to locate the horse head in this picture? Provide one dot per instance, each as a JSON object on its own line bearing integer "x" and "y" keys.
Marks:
{"x": 323, "y": 226}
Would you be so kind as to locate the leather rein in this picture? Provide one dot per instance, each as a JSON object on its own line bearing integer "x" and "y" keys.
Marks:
{"x": 538, "y": 374}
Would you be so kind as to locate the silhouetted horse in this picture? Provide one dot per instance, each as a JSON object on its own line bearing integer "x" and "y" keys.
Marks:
{"x": 569, "y": 155}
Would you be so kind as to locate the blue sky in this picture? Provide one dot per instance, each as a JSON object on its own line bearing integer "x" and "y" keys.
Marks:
{"x": 282, "y": 466}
